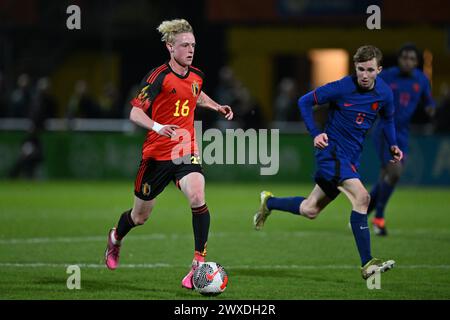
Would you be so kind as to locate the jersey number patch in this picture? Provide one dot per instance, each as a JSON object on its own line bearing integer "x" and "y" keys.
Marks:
{"x": 360, "y": 118}
{"x": 404, "y": 99}
{"x": 184, "y": 109}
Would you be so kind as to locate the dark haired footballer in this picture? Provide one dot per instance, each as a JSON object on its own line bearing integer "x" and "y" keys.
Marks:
{"x": 355, "y": 103}
{"x": 410, "y": 86}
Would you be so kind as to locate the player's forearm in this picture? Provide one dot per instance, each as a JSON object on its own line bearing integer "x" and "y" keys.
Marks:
{"x": 305, "y": 104}
{"x": 206, "y": 102}
{"x": 389, "y": 131}
{"x": 139, "y": 117}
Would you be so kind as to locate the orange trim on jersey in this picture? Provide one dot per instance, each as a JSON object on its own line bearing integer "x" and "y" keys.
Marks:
{"x": 315, "y": 97}
{"x": 197, "y": 69}
{"x": 151, "y": 74}
{"x": 139, "y": 177}
{"x": 153, "y": 78}
{"x": 156, "y": 73}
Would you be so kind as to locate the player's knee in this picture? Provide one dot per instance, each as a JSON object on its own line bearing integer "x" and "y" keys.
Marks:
{"x": 196, "y": 199}
{"x": 363, "y": 200}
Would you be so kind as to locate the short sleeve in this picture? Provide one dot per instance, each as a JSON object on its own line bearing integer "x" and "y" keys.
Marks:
{"x": 147, "y": 91}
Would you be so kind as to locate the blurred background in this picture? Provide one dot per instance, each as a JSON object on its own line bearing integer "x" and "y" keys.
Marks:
{"x": 64, "y": 93}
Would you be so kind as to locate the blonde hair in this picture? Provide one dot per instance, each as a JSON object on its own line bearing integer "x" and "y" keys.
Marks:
{"x": 169, "y": 29}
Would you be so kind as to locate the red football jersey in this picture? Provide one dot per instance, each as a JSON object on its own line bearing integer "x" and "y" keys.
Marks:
{"x": 168, "y": 98}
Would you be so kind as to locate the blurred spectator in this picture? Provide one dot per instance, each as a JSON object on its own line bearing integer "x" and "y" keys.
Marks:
{"x": 207, "y": 117}
{"x": 20, "y": 98}
{"x": 232, "y": 92}
{"x": 442, "y": 117}
{"x": 247, "y": 110}
{"x": 3, "y": 104}
{"x": 286, "y": 101}
{"x": 43, "y": 104}
{"x": 223, "y": 94}
{"x": 30, "y": 156}
{"x": 109, "y": 104}
{"x": 127, "y": 106}
{"x": 226, "y": 90}
{"x": 42, "y": 107}
{"x": 81, "y": 104}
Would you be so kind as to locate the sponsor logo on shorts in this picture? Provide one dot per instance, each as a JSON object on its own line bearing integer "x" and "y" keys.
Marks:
{"x": 146, "y": 189}
{"x": 195, "y": 159}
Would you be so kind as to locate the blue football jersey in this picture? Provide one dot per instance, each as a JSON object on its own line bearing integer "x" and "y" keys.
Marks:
{"x": 408, "y": 91}
{"x": 353, "y": 111}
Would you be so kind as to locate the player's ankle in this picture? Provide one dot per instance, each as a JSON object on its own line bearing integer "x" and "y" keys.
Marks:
{"x": 115, "y": 238}
{"x": 199, "y": 257}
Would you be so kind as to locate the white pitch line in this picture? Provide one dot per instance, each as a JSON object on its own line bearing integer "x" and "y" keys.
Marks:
{"x": 167, "y": 265}
{"x": 188, "y": 235}
{"x": 82, "y": 265}
{"x": 75, "y": 239}
{"x": 154, "y": 236}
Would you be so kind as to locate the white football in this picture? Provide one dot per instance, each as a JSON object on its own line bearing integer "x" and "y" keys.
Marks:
{"x": 210, "y": 278}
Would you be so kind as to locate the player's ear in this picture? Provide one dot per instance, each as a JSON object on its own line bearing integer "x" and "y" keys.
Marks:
{"x": 379, "y": 69}
{"x": 169, "y": 47}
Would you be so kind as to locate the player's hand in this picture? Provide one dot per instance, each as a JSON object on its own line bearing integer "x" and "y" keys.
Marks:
{"x": 226, "y": 111}
{"x": 396, "y": 153}
{"x": 168, "y": 130}
{"x": 321, "y": 141}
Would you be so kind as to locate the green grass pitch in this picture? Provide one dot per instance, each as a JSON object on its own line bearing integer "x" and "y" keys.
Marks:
{"x": 45, "y": 226}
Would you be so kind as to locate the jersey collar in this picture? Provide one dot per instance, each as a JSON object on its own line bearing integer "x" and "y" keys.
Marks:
{"x": 178, "y": 75}
{"x": 361, "y": 90}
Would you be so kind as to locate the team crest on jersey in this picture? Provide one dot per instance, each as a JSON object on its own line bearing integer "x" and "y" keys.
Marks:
{"x": 195, "y": 88}
{"x": 416, "y": 87}
{"x": 146, "y": 189}
{"x": 375, "y": 106}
